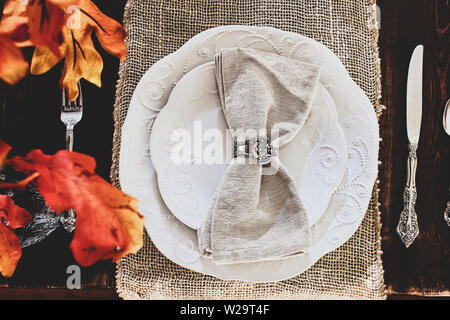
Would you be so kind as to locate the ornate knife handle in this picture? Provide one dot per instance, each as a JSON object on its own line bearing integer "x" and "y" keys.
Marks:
{"x": 407, "y": 227}
{"x": 447, "y": 213}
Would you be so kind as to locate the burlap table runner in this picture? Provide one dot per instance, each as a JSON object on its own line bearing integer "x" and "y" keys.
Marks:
{"x": 155, "y": 29}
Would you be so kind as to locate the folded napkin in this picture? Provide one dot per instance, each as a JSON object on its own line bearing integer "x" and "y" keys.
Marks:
{"x": 255, "y": 216}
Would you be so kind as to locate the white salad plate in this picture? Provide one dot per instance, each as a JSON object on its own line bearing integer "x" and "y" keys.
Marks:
{"x": 316, "y": 158}
{"x": 349, "y": 201}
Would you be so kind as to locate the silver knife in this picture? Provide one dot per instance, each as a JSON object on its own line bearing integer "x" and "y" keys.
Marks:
{"x": 407, "y": 227}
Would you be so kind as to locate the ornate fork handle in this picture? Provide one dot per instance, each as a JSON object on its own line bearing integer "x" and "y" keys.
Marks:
{"x": 407, "y": 227}
{"x": 68, "y": 218}
{"x": 69, "y": 138}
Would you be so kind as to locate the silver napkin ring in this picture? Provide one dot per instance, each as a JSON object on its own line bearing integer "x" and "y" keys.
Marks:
{"x": 259, "y": 149}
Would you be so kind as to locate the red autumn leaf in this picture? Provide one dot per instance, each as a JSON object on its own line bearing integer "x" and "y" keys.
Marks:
{"x": 108, "y": 224}
{"x": 11, "y": 217}
{"x": 4, "y": 150}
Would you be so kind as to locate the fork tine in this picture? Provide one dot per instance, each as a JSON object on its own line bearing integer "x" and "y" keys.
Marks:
{"x": 63, "y": 102}
{"x": 80, "y": 95}
{"x": 77, "y": 104}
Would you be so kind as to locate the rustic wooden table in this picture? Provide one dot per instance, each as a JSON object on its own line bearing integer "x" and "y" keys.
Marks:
{"x": 424, "y": 267}
{"x": 31, "y": 120}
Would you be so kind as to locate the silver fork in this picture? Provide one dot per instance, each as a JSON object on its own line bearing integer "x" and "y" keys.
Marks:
{"x": 71, "y": 114}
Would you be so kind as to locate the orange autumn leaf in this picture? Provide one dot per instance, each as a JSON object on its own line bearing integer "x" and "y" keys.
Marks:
{"x": 108, "y": 225}
{"x": 79, "y": 63}
{"x": 14, "y": 23}
{"x": 21, "y": 185}
{"x": 30, "y": 23}
{"x": 46, "y": 19}
{"x": 13, "y": 29}
{"x": 13, "y": 66}
{"x": 43, "y": 20}
{"x": 81, "y": 58}
{"x": 11, "y": 217}
{"x": 109, "y": 32}
{"x": 4, "y": 150}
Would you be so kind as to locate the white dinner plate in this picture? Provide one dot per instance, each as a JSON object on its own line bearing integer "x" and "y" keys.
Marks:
{"x": 316, "y": 158}
{"x": 348, "y": 203}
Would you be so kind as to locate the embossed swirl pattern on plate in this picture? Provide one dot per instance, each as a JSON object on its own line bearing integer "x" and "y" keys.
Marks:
{"x": 315, "y": 158}
{"x": 355, "y": 115}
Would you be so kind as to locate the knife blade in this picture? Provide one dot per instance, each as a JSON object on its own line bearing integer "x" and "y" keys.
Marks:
{"x": 414, "y": 95}
{"x": 408, "y": 228}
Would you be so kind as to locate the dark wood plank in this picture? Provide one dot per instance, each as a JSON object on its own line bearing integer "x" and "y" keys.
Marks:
{"x": 416, "y": 297}
{"x": 422, "y": 268}
{"x": 56, "y": 294}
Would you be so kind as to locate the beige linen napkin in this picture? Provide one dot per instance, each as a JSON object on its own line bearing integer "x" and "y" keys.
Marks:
{"x": 254, "y": 216}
